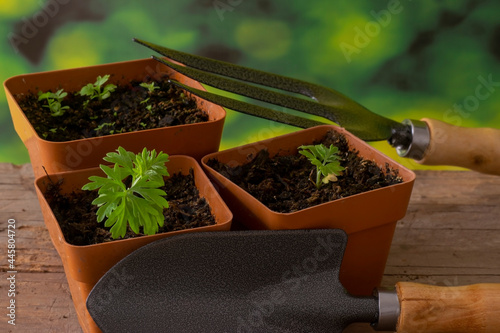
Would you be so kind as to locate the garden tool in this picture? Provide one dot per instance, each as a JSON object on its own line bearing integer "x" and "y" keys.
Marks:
{"x": 429, "y": 141}
{"x": 271, "y": 281}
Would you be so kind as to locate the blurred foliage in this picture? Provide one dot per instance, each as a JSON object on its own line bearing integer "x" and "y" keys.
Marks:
{"x": 408, "y": 59}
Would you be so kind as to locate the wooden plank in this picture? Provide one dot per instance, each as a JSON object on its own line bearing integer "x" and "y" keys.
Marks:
{"x": 450, "y": 236}
{"x": 43, "y": 300}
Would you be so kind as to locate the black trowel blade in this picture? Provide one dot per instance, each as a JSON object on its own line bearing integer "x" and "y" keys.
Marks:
{"x": 237, "y": 281}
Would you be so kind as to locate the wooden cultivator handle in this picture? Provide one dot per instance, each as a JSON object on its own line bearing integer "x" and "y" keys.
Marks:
{"x": 463, "y": 309}
{"x": 472, "y": 148}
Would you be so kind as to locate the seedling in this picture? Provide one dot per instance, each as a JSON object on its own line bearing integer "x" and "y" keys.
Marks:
{"x": 97, "y": 90}
{"x": 54, "y": 102}
{"x": 326, "y": 161}
{"x": 149, "y": 86}
{"x": 101, "y": 127}
{"x": 139, "y": 204}
{"x": 117, "y": 131}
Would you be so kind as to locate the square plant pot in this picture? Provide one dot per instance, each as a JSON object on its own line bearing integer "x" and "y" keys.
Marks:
{"x": 369, "y": 218}
{"x": 194, "y": 140}
{"x": 85, "y": 265}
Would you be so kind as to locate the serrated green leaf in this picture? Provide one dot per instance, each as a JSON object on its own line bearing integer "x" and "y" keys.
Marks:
{"x": 140, "y": 205}
{"x": 320, "y": 152}
{"x": 115, "y": 215}
{"x": 95, "y": 183}
{"x": 317, "y": 163}
{"x": 332, "y": 169}
{"x": 87, "y": 90}
{"x": 59, "y": 95}
{"x": 119, "y": 227}
{"x": 133, "y": 218}
{"x": 101, "y": 80}
{"x": 307, "y": 154}
{"x": 114, "y": 174}
{"x": 122, "y": 158}
{"x": 105, "y": 95}
{"x": 155, "y": 196}
{"x": 106, "y": 209}
{"x": 326, "y": 161}
{"x": 42, "y": 95}
{"x": 110, "y": 87}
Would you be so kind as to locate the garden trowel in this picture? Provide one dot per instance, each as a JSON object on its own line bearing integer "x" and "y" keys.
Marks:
{"x": 428, "y": 141}
{"x": 271, "y": 281}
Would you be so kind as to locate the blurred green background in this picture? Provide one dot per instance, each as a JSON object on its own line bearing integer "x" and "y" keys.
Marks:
{"x": 401, "y": 59}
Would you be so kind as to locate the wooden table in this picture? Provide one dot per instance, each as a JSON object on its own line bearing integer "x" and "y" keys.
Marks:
{"x": 450, "y": 236}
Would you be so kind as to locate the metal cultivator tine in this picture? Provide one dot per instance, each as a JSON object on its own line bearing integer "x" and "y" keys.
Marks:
{"x": 326, "y": 103}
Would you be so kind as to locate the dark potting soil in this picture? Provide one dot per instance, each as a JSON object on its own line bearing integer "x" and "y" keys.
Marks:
{"x": 129, "y": 108}
{"x": 78, "y": 220}
{"x": 283, "y": 183}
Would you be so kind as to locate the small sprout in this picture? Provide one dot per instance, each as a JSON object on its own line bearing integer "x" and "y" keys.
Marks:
{"x": 149, "y": 86}
{"x": 54, "y": 102}
{"x": 326, "y": 161}
{"x": 139, "y": 204}
{"x": 143, "y": 125}
{"x": 101, "y": 126}
{"x": 53, "y": 130}
{"x": 97, "y": 90}
{"x": 93, "y": 117}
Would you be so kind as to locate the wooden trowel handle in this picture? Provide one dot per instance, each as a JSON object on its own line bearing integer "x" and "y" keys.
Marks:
{"x": 432, "y": 309}
{"x": 472, "y": 148}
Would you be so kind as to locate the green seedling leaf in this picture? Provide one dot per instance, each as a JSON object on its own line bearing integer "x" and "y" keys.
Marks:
{"x": 326, "y": 161}
{"x": 138, "y": 205}
{"x": 97, "y": 90}
{"x": 88, "y": 90}
{"x": 54, "y": 102}
{"x": 149, "y": 86}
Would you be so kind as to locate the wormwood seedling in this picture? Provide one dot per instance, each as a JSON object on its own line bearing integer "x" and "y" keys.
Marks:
{"x": 54, "y": 102}
{"x": 149, "y": 86}
{"x": 326, "y": 161}
{"x": 101, "y": 127}
{"x": 97, "y": 90}
{"x": 139, "y": 204}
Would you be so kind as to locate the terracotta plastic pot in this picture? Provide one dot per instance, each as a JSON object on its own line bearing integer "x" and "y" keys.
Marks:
{"x": 85, "y": 265}
{"x": 368, "y": 218}
{"x": 194, "y": 140}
